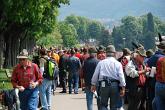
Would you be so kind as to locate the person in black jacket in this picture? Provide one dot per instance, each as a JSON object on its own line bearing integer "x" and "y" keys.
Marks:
{"x": 63, "y": 70}
{"x": 88, "y": 71}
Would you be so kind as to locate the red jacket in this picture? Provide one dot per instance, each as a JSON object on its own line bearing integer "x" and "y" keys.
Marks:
{"x": 23, "y": 77}
{"x": 160, "y": 72}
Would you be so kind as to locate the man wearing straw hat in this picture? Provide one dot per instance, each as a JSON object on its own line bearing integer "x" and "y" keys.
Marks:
{"x": 26, "y": 77}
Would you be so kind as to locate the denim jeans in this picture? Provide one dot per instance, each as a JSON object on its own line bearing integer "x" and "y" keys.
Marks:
{"x": 62, "y": 78}
{"x": 159, "y": 100}
{"x": 29, "y": 99}
{"x": 45, "y": 93}
{"x": 89, "y": 99}
{"x": 110, "y": 91}
{"x": 73, "y": 79}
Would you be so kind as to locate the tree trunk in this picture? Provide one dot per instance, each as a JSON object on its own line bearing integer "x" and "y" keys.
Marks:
{"x": 1, "y": 50}
{"x": 12, "y": 39}
{"x": 15, "y": 49}
{"x": 7, "y": 62}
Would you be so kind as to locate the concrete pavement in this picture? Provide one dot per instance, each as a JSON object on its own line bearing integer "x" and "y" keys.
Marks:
{"x": 70, "y": 101}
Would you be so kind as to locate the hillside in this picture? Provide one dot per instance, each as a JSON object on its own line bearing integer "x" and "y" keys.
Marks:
{"x": 112, "y": 9}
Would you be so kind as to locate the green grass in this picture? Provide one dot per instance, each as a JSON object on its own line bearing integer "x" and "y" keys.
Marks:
{"x": 5, "y": 82}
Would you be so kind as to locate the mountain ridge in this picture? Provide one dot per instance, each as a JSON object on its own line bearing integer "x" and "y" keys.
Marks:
{"x": 112, "y": 9}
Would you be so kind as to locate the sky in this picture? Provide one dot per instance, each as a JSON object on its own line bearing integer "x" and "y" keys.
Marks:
{"x": 112, "y": 9}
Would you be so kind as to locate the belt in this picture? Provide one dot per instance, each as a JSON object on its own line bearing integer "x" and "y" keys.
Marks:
{"x": 110, "y": 79}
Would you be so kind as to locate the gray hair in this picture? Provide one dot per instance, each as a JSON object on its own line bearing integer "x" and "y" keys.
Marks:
{"x": 111, "y": 54}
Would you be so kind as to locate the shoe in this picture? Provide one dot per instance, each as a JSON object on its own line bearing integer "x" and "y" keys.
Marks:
{"x": 75, "y": 92}
{"x": 63, "y": 92}
{"x": 53, "y": 92}
{"x": 70, "y": 92}
{"x": 83, "y": 89}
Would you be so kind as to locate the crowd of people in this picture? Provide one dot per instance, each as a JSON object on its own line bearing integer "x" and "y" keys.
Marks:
{"x": 136, "y": 78}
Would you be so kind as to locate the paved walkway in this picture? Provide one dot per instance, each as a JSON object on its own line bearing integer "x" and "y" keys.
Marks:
{"x": 70, "y": 101}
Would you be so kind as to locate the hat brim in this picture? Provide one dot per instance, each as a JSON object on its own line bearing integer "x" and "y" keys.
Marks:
{"x": 92, "y": 52}
{"x": 22, "y": 57}
{"x": 101, "y": 50}
{"x": 110, "y": 51}
{"x": 161, "y": 46}
{"x": 143, "y": 55}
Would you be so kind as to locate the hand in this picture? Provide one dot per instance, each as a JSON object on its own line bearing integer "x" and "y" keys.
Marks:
{"x": 148, "y": 69}
{"x": 21, "y": 88}
{"x": 93, "y": 88}
{"x": 122, "y": 92}
{"x": 144, "y": 71}
{"x": 33, "y": 84}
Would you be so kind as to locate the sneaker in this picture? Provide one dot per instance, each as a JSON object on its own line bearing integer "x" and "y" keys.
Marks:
{"x": 75, "y": 92}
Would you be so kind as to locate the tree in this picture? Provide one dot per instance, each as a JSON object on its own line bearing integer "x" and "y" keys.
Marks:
{"x": 86, "y": 28}
{"x": 94, "y": 30}
{"x": 161, "y": 28}
{"x": 68, "y": 33}
{"x": 150, "y": 23}
{"x": 117, "y": 37}
{"x": 53, "y": 39}
{"x": 72, "y": 19}
{"x": 23, "y": 21}
{"x": 82, "y": 30}
{"x": 149, "y": 32}
{"x": 106, "y": 39}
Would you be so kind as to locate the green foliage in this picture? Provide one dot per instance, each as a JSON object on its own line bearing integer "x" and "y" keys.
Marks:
{"x": 72, "y": 19}
{"x": 105, "y": 38}
{"x": 150, "y": 22}
{"x": 4, "y": 81}
{"x": 161, "y": 28}
{"x": 94, "y": 30}
{"x": 117, "y": 37}
{"x": 53, "y": 39}
{"x": 129, "y": 31}
{"x": 139, "y": 30}
{"x": 36, "y": 16}
{"x": 148, "y": 33}
{"x": 80, "y": 24}
{"x": 82, "y": 30}
{"x": 69, "y": 34}
{"x": 86, "y": 28}
{"x": 149, "y": 37}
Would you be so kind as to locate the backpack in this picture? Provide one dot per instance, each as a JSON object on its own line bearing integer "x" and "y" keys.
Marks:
{"x": 51, "y": 69}
{"x": 160, "y": 72}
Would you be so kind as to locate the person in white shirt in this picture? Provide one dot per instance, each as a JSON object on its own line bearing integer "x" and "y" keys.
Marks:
{"x": 109, "y": 74}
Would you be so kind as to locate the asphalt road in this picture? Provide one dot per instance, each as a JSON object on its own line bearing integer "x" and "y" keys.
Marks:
{"x": 69, "y": 101}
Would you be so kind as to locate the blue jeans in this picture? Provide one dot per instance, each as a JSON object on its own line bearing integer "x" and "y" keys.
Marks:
{"x": 29, "y": 99}
{"x": 45, "y": 93}
{"x": 159, "y": 100}
{"x": 73, "y": 79}
{"x": 110, "y": 91}
{"x": 89, "y": 99}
